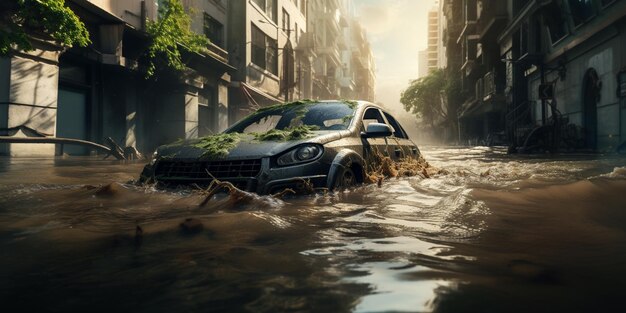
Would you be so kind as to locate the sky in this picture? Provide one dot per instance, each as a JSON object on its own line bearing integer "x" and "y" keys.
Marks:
{"x": 397, "y": 31}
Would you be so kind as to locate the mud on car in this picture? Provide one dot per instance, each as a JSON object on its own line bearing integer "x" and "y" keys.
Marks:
{"x": 324, "y": 144}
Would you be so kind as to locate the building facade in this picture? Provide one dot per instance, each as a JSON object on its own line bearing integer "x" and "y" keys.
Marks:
{"x": 547, "y": 74}
{"x": 472, "y": 51}
{"x": 327, "y": 25}
{"x": 261, "y": 52}
{"x": 101, "y": 91}
{"x": 264, "y": 38}
{"x": 433, "y": 40}
{"x": 578, "y": 48}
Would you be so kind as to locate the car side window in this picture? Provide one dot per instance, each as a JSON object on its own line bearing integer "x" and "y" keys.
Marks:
{"x": 372, "y": 115}
{"x": 398, "y": 132}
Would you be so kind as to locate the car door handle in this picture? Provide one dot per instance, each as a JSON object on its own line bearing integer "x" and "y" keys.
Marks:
{"x": 414, "y": 150}
{"x": 398, "y": 152}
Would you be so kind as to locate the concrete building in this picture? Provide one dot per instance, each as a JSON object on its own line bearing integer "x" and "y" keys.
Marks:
{"x": 347, "y": 75}
{"x": 326, "y": 24}
{"x": 433, "y": 40}
{"x": 442, "y": 25}
{"x": 472, "y": 50}
{"x": 579, "y": 49}
{"x": 100, "y": 91}
{"x": 263, "y": 38}
{"x": 363, "y": 64}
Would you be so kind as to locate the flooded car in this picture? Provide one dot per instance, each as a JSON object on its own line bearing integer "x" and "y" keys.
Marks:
{"x": 319, "y": 144}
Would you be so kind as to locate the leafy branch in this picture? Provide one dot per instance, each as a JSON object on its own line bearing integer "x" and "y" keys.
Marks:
{"x": 21, "y": 18}
{"x": 434, "y": 97}
{"x": 169, "y": 34}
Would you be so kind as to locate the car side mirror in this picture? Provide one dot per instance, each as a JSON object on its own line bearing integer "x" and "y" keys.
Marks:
{"x": 377, "y": 130}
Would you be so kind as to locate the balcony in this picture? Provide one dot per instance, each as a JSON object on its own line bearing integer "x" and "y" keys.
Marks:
{"x": 332, "y": 19}
{"x": 332, "y": 52}
{"x": 492, "y": 90}
{"x": 468, "y": 29}
{"x": 347, "y": 82}
{"x": 492, "y": 20}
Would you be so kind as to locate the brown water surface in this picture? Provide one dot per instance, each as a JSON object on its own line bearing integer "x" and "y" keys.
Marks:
{"x": 498, "y": 234}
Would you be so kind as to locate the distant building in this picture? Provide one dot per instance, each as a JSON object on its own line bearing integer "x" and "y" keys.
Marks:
{"x": 344, "y": 66}
{"x": 363, "y": 64}
{"x": 433, "y": 40}
{"x": 433, "y": 57}
{"x": 442, "y": 24}
{"x": 264, "y": 38}
{"x": 326, "y": 23}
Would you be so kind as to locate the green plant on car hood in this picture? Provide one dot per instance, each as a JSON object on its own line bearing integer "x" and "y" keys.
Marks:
{"x": 291, "y": 133}
{"x": 218, "y": 145}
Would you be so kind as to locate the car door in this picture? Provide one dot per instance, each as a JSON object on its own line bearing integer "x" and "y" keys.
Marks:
{"x": 400, "y": 146}
{"x": 373, "y": 146}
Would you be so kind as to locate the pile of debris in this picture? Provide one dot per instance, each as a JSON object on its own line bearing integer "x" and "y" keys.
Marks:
{"x": 386, "y": 168}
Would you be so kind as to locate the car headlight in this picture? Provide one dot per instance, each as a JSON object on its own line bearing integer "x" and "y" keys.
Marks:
{"x": 154, "y": 158}
{"x": 301, "y": 154}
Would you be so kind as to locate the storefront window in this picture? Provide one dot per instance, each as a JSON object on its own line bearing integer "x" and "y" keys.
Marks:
{"x": 557, "y": 28}
{"x": 582, "y": 11}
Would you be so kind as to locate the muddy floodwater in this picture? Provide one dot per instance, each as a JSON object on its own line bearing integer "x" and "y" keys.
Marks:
{"x": 498, "y": 233}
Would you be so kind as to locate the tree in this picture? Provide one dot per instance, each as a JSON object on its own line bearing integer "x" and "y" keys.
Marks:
{"x": 20, "y": 19}
{"x": 434, "y": 98}
{"x": 170, "y": 34}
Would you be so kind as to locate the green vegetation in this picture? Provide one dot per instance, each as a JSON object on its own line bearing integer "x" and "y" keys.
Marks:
{"x": 21, "y": 18}
{"x": 292, "y": 133}
{"x": 218, "y": 145}
{"x": 434, "y": 98}
{"x": 351, "y": 103}
{"x": 171, "y": 33}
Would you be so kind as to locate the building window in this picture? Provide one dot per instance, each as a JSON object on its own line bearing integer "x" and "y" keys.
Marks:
{"x": 524, "y": 39}
{"x": 207, "y": 112}
{"x": 303, "y": 7}
{"x": 269, "y": 7}
{"x": 286, "y": 21}
{"x": 557, "y": 28}
{"x": 582, "y": 11}
{"x": 213, "y": 30}
{"x": 264, "y": 51}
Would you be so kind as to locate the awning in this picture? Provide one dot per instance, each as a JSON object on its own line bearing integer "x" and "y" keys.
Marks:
{"x": 257, "y": 93}
{"x": 206, "y": 62}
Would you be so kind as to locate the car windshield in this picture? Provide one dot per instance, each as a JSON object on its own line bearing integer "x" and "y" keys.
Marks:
{"x": 319, "y": 115}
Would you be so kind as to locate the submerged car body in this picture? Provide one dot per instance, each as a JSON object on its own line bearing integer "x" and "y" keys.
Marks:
{"x": 323, "y": 144}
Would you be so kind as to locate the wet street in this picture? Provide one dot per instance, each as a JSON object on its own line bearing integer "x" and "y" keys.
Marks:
{"x": 497, "y": 233}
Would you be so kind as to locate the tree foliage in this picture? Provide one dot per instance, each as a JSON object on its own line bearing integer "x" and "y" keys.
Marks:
{"x": 434, "y": 97}
{"x": 171, "y": 33}
{"x": 21, "y": 18}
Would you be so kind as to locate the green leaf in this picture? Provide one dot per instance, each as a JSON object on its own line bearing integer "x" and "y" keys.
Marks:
{"x": 50, "y": 17}
{"x": 171, "y": 33}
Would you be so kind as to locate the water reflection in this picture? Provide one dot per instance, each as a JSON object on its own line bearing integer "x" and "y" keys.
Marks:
{"x": 497, "y": 234}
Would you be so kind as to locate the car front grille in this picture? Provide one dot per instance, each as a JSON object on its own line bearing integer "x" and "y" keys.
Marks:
{"x": 199, "y": 170}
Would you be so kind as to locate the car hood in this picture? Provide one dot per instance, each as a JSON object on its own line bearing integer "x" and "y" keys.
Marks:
{"x": 247, "y": 148}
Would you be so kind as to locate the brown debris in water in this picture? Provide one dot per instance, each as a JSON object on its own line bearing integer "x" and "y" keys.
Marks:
{"x": 283, "y": 193}
{"x": 237, "y": 195}
{"x": 406, "y": 167}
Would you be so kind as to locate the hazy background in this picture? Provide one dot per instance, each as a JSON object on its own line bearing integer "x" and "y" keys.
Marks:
{"x": 397, "y": 30}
